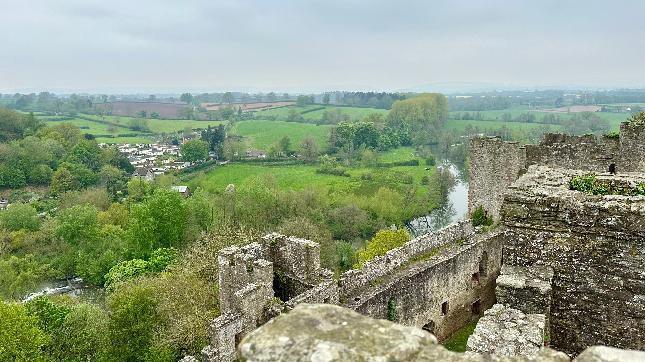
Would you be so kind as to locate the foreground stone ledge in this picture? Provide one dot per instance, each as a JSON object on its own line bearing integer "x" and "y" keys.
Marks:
{"x": 320, "y": 332}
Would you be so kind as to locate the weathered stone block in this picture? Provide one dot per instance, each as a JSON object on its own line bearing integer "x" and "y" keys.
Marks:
{"x": 504, "y": 331}
{"x": 525, "y": 288}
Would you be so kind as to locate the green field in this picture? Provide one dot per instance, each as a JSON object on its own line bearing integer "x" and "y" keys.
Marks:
{"x": 614, "y": 119}
{"x": 123, "y": 134}
{"x": 460, "y": 125}
{"x": 314, "y": 112}
{"x": 263, "y": 134}
{"x": 361, "y": 186}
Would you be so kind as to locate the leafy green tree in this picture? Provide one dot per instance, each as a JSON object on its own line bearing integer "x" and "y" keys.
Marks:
{"x": 381, "y": 243}
{"x": 309, "y": 149}
{"x": 40, "y": 175}
{"x": 20, "y": 216}
{"x": 138, "y": 189}
{"x": 83, "y": 335}
{"x": 21, "y": 338}
{"x": 194, "y": 150}
{"x": 285, "y": 145}
{"x": 12, "y": 177}
{"x": 326, "y": 98}
{"x": 420, "y": 118}
{"x": 78, "y": 225}
{"x": 19, "y": 275}
{"x": 186, "y": 98}
{"x": 124, "y": 271}
{"x": 114, "y": 179}
{"x": 50, "y": 315}
{"x": 134, "y": 321}
{"x": 86, "y": 153}
{"x": 157, "y": 222}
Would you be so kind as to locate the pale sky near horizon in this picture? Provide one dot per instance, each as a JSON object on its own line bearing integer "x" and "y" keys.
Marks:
{"x": 300, "y": 46}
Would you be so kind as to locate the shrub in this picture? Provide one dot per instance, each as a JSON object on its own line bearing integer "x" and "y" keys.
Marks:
{"x": 588, "y": 184}
{"x": 612, "y": 135}
{"x": 480, "y": 217}
{"x": 21, "y": 338}
{"x": 381, "y": 243}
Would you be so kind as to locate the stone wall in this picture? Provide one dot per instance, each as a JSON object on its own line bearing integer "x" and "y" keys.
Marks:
{"x": 632, "y": 147}
{"x": 440, "y": 293}
{"x": 494, "y": 165}
{"x": 331, "y": 333}
{"x": 587, "y": 152}
{"x": 526, "y": 288}
{"x": 596, "y": 247}
{"x": 356, "y": 280}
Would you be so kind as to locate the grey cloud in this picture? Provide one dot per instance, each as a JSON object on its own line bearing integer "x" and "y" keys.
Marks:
{"x": 303, "y": 45}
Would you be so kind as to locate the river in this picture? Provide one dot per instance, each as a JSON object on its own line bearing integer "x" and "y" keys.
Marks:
{"x": 74, "y": 287}
{"x": 454, "y": 208}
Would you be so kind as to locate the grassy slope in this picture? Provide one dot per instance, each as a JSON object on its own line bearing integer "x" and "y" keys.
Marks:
{"x": 263, "y": 134}
{"x": 156, "y": 126}
{"x": 613, "y": 118}
{"x": 304, "y": 176}
{"x": 354, "y": 112}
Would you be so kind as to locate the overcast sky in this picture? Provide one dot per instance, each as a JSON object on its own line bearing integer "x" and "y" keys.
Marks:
{"x": 301, "y": 45}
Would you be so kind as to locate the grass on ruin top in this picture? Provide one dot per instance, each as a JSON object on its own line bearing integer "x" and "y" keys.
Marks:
{"x": 590, "y": 185}
{"x": 457, "y": 342}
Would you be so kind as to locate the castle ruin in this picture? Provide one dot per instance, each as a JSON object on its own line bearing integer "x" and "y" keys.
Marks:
{"x": 569, "y": 263}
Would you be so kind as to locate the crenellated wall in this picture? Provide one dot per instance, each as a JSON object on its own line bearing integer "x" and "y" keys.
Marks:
{"x": 588, "y": 152}
{"x": 494, "y": 165}
{"x": 596, "y": 247}
{"x": 632, "y": 147}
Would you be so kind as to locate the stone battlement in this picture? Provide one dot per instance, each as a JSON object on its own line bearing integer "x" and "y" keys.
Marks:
{"x": 355, "y": 280}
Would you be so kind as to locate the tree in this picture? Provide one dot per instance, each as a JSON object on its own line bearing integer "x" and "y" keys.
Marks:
{"x": 304, "y": 100}
{"x": 194, "y": 150}
{"x": 228, "y": 98}
{"x": 20, "y": 217}
{"x": 186, "y": 98}
{"x": 309, "y": 149}
{"x": 326, "y": 98}
{"x": 420, "y": 118}
{"x": 285, "y": 145}
{"x": 83, "y": 335}
{"x": 19, "y": 275}
{"x": 142, "y": 125}
{"x": 215, "y": 137}
{"x": 12, "y": 177}
{"x": 381, "y": 243}
{"x": 114, "y": 179}
{"x": 21, "y": 338}
{"x": 157, "y": 222}
{"x": 134, "y": 320}
{"x": 78, "y": 225}
{"x": 87, "y": 153}
{"x": 62, "y": 181}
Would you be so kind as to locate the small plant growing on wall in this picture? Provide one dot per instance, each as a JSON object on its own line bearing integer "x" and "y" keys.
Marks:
{"x": 480, "y": 217}
{"x": 391, "y": 310}
{"x": 588, "y": 184}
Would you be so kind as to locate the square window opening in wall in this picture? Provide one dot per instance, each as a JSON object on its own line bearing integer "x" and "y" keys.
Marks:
{"x": 475, "y": 277}
{"x": 444, "y": 308}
